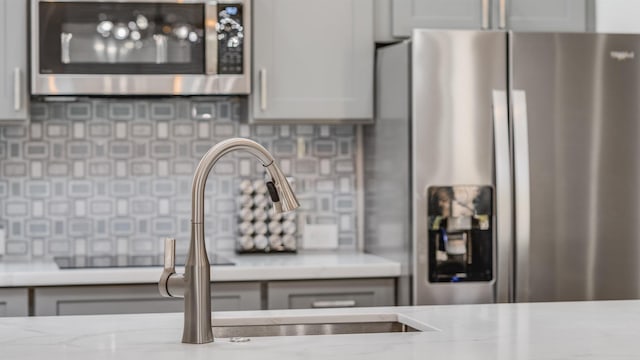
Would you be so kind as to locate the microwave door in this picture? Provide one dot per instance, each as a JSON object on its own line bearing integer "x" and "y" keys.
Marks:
{"x": 121, "y": 38}
{"x": 140, "y": 48}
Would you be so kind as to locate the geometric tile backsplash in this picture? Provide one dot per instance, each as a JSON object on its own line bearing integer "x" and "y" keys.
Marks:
{"x": 113, "y": 176}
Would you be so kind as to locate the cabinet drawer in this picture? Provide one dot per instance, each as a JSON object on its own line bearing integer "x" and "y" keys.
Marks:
{"x": 14, "y": 302}
{"x": 331, "y": 293}
{"x": 130, "y": 299}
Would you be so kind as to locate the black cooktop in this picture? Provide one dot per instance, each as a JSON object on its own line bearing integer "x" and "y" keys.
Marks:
{"x": 107, "y": 261}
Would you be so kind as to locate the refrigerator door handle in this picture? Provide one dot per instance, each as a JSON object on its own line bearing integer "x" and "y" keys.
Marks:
{"x": 504, "y": 204}
{"x": 522, "y": 194}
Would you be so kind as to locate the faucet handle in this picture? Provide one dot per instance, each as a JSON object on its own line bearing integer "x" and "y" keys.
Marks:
{"x": 170, "y": 254}
{"x": 169, "y": 266}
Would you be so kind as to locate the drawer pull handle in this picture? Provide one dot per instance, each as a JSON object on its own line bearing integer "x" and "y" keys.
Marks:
{"x": 333, "y": 304}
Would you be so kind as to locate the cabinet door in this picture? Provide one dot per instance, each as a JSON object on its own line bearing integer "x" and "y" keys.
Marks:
{"x": 13, "y": 60}
{"x": 313, "y": 60}
{"x": 131, "y": 299}
{"x": 547, "y": 15}
{"x": 331, "y": 293}
{"x": 437, "y": 14}
{"x": 14, "y": 302}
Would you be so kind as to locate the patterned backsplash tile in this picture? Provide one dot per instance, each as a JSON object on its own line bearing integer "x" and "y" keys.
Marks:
{"x": 100, "y": 177}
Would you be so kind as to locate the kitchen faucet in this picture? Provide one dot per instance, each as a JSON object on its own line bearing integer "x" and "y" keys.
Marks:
{"x": 194, "y": 285}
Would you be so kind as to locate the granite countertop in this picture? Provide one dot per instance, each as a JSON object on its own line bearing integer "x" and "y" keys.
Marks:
{"x": 304, "y": 265}
{"x": 579, "y": 330}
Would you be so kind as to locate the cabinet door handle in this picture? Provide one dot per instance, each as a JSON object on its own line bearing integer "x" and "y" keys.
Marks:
{"x": 333, "y": 303}
{"x": 263, "y": 89}
{"x": 503, "y": 14}
{"x": 17, "y": 86}
{"x": 485, "y": 14}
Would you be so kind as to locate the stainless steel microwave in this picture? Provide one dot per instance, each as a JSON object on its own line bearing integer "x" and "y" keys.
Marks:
{"x": 141, "y": 47}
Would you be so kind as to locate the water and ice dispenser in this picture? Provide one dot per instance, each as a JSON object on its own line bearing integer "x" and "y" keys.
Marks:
{"x": 460, "y": 233}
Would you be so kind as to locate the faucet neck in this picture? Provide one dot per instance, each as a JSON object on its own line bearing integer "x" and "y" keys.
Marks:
{"x": 197, "y": 315}
{"x": 209, "y": 160}
{"x": 197, "y": 292}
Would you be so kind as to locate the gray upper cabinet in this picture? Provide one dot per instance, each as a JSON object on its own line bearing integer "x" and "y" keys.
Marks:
{"x": 436, "y": 14}
{"x": 313, "y": 61}
{"x": 547, "y": 15}
{"x": 519, "y": 15}
{"x": 13, "y": 61}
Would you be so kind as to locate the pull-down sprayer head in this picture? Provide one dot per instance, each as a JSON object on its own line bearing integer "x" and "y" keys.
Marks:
{"x": 284, "y": 200}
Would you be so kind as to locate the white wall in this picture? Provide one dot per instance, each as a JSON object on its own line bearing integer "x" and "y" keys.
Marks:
{"x": 618, "y": 16}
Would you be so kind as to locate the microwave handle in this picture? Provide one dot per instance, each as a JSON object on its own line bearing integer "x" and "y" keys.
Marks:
{"x": 211, "y": 37}
{"x": 263, "y": 89}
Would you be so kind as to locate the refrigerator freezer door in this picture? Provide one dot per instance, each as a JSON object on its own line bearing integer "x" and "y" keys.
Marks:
{"x": 454, "y": 74}
{"x": 583, "y": 122}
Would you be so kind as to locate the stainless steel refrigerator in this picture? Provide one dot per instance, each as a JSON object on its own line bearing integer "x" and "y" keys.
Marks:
{"x": 505, "y": 166}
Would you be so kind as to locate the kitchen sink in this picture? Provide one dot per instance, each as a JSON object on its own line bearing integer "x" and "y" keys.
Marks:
{"x": 311, "y": 329}
{"x": 312, "y": 325}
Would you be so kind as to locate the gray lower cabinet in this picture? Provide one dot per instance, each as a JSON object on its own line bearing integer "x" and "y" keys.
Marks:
{"x": 128, "y": 299}
{"x": 232, "y": 296}
{"x": 331, "y": 293}
{"x": 312, "y": 61}
{"x": 14, "y": 95}
{"x": 14, "y": 302}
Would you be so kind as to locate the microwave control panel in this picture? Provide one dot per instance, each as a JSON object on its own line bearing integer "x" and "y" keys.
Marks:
{"x": 230, "y": 32}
